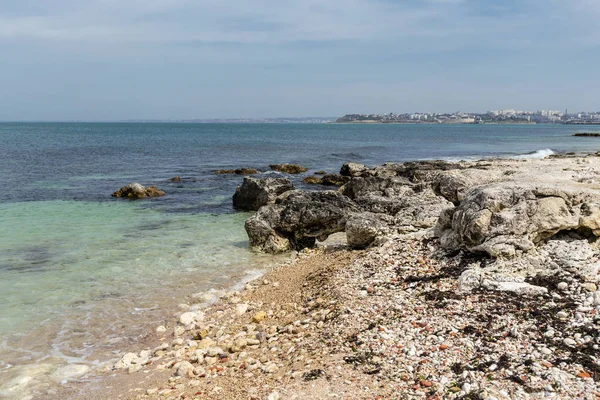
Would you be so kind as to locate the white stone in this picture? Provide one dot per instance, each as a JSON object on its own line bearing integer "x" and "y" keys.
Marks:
{"x": 241, "y": 309}
{"x": 597, "y": 298}
{"x": 161, "y": 329}
{"x": 562, "y": 286}
{"x": 187, "y": 318}
{"x": 466, "y": 387}
{"x": 470, "y": 279}
{"x": 214, "y": 351}
{"x": 273, "y": 396}
{"x": 126, "y": 361}
{"x": 185, "y": 369}
{"x": 562, "y": 315}
{"x": 570, "y": 342}
{"x": 520, "y": 288}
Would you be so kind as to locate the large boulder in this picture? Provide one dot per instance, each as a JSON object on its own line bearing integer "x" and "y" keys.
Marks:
{"x": 365, "y": 228}
{"x": 298, "y": 219}
{"x": 501, "y": 218}
{"x": 136, "y": 191}
{"x": 255, "y": 193}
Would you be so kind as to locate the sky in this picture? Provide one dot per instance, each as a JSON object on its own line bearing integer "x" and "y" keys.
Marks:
{"x": 107, "y": 60}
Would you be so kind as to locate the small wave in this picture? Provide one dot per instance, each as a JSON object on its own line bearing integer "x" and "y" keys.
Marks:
{"x": 538, "y": 154}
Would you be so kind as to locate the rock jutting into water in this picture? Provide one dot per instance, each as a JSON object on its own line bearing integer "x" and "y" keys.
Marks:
{"x": 297, "y": 219}
{"x": 288, "y": 168}
{"x": 587, "y": 134}
{"x": 255, "y": 193}
{"x": 477, "y": 208}
{"x": 136, "y": 191}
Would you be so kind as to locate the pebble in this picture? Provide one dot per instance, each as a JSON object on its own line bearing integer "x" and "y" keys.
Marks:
{"x": 241, "y": 309}
{"x": 588, "y": 286}
{"x": 273, "y": 396}
{"x": 562, "y": 286}
{"x": 562, "y": 315}
{"x": 161, "y": 329}
{"x": 570, "y": 342}
{"x": 187, "y": 318}
{"x": 185, "y": 369}
{"x": 259, "y": 316}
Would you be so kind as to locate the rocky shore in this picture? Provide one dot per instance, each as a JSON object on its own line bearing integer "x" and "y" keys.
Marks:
{"x": 424, "y": 280}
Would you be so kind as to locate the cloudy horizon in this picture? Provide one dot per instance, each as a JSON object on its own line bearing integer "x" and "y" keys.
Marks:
{"x": 111, "y": 60}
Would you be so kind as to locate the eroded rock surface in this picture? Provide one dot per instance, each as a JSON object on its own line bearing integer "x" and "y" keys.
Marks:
{"x": 501, "y": 219}
{"x": 298, "y": 219}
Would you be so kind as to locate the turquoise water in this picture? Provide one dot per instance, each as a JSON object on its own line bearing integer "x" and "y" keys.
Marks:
{"x": 57, "y": 254}
{"x": 82, "y": 274}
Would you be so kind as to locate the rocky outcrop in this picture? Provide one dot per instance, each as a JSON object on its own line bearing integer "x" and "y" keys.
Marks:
{"x": 298, "y": 219}
{"x": 136, "y": 191}
{"x": 503, "y": 218}
{"x": 255, "y": 193}
{"x": 453, "y": 185}
{"x": 288, "y": 168}
{"x": 412, "y": 206}
{"x": 239, "y": 171}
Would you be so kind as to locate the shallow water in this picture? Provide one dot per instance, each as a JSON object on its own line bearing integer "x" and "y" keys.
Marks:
{"x": 82, "y": 274}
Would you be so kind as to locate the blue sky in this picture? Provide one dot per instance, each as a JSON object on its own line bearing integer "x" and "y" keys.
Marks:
{"x": 179, "y": 59}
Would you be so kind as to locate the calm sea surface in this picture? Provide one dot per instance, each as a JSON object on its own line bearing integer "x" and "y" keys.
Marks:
{"x": 82, "y": 273}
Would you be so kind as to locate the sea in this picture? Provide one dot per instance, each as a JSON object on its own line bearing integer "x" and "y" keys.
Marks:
{"x": 83, "y": 275}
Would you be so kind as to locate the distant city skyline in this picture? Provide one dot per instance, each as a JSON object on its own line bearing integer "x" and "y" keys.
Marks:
{"x": 108, "y": 60}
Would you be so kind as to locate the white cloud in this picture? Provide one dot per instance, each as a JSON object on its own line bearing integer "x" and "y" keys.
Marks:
{"x": 258, "y": 21}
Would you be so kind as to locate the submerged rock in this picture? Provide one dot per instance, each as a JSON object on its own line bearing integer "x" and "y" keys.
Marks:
{"x": 298, "y": 219}
{"x": 334, "y": 180}
{"x": 255, "y": 193}
{"x": 312, "y": 180}
{"x": 135, "y": 191}
{"x": 288, "y": 168}
{"x": 239, "y": 171}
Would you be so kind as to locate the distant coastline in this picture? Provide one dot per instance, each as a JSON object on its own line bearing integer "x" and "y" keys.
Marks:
{"x": 509, "y": 116}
